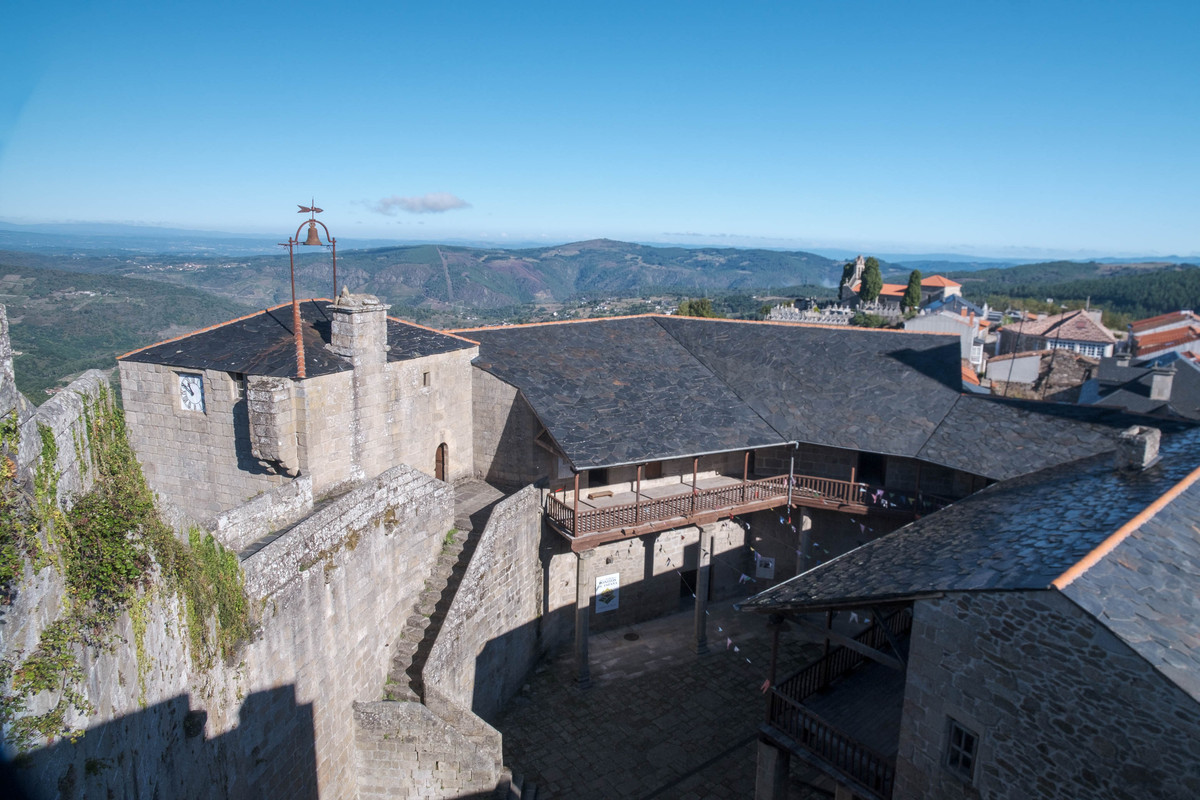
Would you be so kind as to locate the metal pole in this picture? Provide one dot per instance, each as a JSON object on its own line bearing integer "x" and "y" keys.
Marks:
{"x": 296, "y": 312}
{"x": 695, "y": 467}
{"x": 333, "y": 243}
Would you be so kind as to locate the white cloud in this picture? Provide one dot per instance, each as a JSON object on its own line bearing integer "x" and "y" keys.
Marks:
{"x": 432, "y": 203}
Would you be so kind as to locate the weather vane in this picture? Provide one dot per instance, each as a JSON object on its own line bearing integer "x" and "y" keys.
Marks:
{"x": 313, "y": 238}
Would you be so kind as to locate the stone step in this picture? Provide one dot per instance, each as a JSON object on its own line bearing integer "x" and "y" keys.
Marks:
{"x": 419, "y": 622}
{"x": 400, "y": 692}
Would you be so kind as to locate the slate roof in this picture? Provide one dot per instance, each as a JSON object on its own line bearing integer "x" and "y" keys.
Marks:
{"x": 622, "y": 391}
{"x": 1075, "y": 326}
{"x": 1147, "y": 590}
{"x": 262, "y": 344}
{"x": 1021, "y": 534}
{"x": 1129, "y": 388}
{"x": 954, "y": 304}
{"x": 1001, "y": 438}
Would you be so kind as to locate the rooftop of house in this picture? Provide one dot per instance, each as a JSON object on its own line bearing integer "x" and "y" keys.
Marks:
{"x": 1128, "y": 387}
{"x": 1148, "y": 344}
{"x": 938, "y": 280}
{"x": 1076, "y": 326}
{"x": 262, "y": 344}
{"x": 1182, "y": 317}
{"x": 1121, "y": 543}
{"x": 954, "y": 304}
{"x": 628, "y": 390}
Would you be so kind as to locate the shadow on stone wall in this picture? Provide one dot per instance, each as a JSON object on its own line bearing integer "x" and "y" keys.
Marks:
{"x": 162, "y": 751}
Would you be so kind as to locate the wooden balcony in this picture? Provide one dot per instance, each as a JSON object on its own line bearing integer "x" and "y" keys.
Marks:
{"x": 865, "y": 702}
{"x": 600, "y": 515}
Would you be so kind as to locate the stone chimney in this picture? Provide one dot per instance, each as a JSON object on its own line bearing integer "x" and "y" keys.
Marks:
{"x": 359, "y": 329}
{"x": 1137, "y": 447}
{"x": 1161, "y": 379}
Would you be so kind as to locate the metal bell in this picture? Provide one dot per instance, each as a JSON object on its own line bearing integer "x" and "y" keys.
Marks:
{"x": 313, "y": 236}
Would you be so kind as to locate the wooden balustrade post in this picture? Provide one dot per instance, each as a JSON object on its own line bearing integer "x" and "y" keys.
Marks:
{"x": 825, "y": 654}
{"x": 695, "y": 469}
{"x": 745, "y": 473}
{"x": 637, "y": 496}
{"x": 575, "y": 511}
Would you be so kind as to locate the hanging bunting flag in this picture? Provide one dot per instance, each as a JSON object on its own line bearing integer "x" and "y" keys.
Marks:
{"x": 766, "y": 686}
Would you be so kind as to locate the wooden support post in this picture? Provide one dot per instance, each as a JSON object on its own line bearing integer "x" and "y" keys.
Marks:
{"x": 825, "y": 652}
{"x": 703, "y": 558}
{"x": 583, "y": 610}
{"x": 695, "y": 469}
{"x": 575, "y": 513}
{"x": 637, "y": 496}
{"x": 745, "y": 473}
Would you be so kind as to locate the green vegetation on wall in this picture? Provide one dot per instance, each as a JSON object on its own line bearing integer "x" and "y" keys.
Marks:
{"x": 106, "y": 548}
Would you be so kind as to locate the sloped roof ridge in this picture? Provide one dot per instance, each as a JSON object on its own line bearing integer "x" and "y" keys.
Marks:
{"x": 1121, "y": 534}
{"x": 216, "y": 325}
{"x": 721, "y": 379}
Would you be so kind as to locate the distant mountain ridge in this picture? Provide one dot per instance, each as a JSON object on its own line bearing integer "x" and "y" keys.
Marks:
{"x": 441, "y": 275}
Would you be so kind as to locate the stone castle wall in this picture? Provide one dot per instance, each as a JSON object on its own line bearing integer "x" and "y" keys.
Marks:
{"x": 1030, "y": 672}
{"x": 279, "y": 721}
{"x": 489, "y": 640}
{"x": 347, "y": 426}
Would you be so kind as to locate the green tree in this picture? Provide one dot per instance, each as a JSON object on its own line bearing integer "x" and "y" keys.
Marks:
{"x": 872, "y": 281}
{"x": 912, "y": 294}
{"x": 698, "y": 307}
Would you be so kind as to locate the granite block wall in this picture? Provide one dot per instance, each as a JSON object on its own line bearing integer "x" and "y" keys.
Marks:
{"x": 182, "y": 450}
{"x": 273, "y": 510}
{"x": 279, "y": 720}
{"x": 489, "y": 639}
{"x": 503, "y": 443}
{"x": 1062, "y": 708}
{"x": 406, "y": 750}
{"x": 431, "y": 403}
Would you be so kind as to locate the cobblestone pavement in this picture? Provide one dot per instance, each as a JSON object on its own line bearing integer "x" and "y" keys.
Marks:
{"x": 658, "y": 721}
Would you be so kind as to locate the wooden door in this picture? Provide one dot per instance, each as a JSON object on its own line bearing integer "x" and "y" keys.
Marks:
{"x": 439, "y": 463}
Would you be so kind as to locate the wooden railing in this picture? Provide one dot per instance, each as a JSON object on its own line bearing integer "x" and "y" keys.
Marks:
{"x": 840, "y": 660}
{"x": 805, "y": 490}
{"x": 840, "y": 751}
{"x": 787, "y": 713}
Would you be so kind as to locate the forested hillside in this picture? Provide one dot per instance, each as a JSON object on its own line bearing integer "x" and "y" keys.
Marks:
{"x": 1130, "y": 291}
{"x": 62, "y": 323}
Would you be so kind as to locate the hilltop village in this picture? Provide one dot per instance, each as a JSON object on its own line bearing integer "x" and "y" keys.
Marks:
{"x": 1012, "y": 584}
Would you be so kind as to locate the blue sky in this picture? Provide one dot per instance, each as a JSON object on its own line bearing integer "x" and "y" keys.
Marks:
{"x": 995, "y": 127}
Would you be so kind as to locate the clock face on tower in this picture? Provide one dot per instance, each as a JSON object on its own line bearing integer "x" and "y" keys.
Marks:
{"x": 191, "y": 392}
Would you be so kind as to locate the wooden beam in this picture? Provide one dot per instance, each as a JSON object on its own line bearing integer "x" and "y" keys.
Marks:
{"x": 850, "y": 644}
{"x": 880, "y": 619}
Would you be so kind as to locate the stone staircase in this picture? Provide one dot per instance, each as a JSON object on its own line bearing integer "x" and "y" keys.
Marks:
{"x": 423, "y": 624}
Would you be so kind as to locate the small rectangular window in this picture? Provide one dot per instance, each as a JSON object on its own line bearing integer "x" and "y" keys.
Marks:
{"x": 424, "y": 378}
{"x": 238, "y": 385}
{"x": 962, "y": 749}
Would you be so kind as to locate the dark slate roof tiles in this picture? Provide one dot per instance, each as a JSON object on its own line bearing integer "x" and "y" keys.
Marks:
{"x": 1147, "y": 590}
{"x": 1020, "y": 534}
{"x": 262, "y": 344}
{"x": 620, "y": 391}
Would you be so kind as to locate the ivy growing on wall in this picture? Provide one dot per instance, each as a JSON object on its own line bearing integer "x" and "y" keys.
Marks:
{"x": 106, "y": 548}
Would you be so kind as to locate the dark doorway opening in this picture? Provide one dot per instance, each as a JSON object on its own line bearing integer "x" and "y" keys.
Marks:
{"x": 872, "y": 468}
